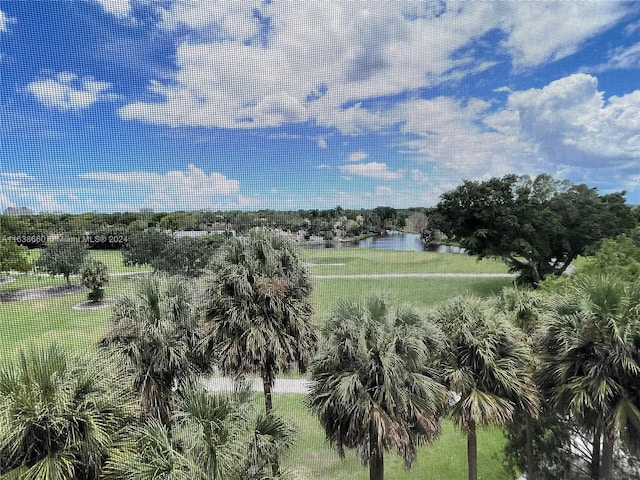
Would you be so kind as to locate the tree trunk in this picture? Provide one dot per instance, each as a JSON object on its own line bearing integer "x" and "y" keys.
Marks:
{"x": 606, "y": 462}
{"x": 376, "y": 458}
{"x": 595, "y": 454}
{"x": 268, "y": 404}
{"x": 532, "y": 465}
{"x": 472, "y": 451}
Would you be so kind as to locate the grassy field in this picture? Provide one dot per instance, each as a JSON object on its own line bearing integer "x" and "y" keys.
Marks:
{"x": 344, "y": 261}
{"x": 30, "y": 323}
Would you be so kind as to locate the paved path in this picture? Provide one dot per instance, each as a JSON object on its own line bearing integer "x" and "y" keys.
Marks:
{"x": 418, "y": 275}
{"x": 282, "y": 385}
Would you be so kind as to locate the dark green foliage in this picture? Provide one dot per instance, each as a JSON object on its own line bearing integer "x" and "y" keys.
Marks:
{"x": 63, "y": 257}
{"x": 94, "y": 276}
{"x": 538, "y": 225}
{"x": 13, "y": 257}
{"x": 187, "y": 256}
{"x": 144, "y": 247}
{"x": 60, "y": 415}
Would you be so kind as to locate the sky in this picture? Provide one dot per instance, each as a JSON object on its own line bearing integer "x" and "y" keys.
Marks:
{"x": 118, "y": 105}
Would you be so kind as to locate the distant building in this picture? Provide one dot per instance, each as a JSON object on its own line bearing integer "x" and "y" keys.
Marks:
{"x": 146, "y": 210}
{"x": 17, "y": 211}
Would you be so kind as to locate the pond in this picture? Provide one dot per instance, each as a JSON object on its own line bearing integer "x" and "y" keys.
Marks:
{"x": 405, "y": 241}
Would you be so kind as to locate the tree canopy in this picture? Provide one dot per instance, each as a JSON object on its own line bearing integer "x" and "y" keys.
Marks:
{"x": 538, "y": 225}
{"x": 63, "y": 258}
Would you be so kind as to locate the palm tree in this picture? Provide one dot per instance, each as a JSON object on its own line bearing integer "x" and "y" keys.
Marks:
{"x": 155, "y": 330}
{"x": 526, "y": 309}
{"x": 486, "y": 364}
{"x": 257, "y": 309}
{"x": 591, "y": 361}
{"x": 373, "y": 388}
{"x": 214, "y": 436}
{"x": 60, "y": 415}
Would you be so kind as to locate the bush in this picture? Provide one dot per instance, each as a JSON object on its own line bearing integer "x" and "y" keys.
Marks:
{"x": 94, "y": 276}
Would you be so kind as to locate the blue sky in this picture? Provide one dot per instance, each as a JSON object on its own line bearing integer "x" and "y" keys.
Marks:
{"x": 183, "y": 105}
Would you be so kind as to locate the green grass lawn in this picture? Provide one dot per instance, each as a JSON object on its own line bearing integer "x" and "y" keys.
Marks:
{"x": 419, "y": 292}
{"x": 445, "y": 459}
{"x": 344, "y": 261}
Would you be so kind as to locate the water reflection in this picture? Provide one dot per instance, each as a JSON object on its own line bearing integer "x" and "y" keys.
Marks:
{"x": 407, "y": 242}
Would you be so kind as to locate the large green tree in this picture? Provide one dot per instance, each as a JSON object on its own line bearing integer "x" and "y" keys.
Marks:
{"x": 486, "y": 364}
{"x": 144, "y": 247}
{"x": 155, "y": 329}
{"x": 538, "y": 225}
{"x": 13, "y": 257}
{"x": 591, "y": 362}
{"x": 60, "y": 415}
{"x": 373, "y": 387}
{"x": 63, "y": 257}
{"x": 257, "y": 309}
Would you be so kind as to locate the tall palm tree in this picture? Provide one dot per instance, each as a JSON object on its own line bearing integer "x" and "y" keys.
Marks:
{"x": 486, "y": 364}
{"x": 373, "y": 388}
{"x": 526, "y": 309}
{"x": 591, "y": 361}
{"x": 61, "y": 414}
{"x": 155, "y": 329}
{"x": 214, "y": 436}
{"x": 257, "y": 309}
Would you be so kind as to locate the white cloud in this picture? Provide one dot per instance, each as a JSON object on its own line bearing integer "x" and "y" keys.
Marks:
{"x": 67, "y": 92}
{"x": 376, "y": 170}
{"x": 358, "y": 156}
{"x": 319, "y": 56}
{"x": 418, "y": 177}
{"x": 177, "y": 189}
{"x": 546, "y": 31}
{"x": 119, "y": 8}
{"x": 322, "y": 143}
{"x": 571, "y": 122}
{"x": 621, "y": 58}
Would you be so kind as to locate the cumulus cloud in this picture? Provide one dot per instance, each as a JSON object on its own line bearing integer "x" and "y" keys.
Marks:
{"x": 311, "y": 59}
{"x": 65, "y": 91}
{"x": 375, "y": 170}
{"x": 177, "y": 189}
{"x": 358, "y": 156}
{"x": 570, "y": 121}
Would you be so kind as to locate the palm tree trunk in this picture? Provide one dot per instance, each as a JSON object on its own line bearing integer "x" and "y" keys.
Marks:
{"x": 268, "y": 406}
{"x": 472, "y": 451}
{"x": 268, "y": 403}
{"x": 376, "y": 458}
{"x": 606, "y": 465}
{"x": 595, "y": 454}
{"x": 532, "y": 466}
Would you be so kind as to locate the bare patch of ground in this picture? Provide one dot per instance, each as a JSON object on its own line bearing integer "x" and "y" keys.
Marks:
{"x": 37, "y": 293}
